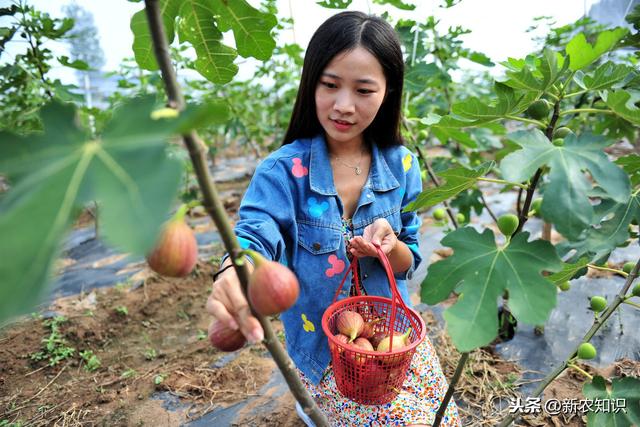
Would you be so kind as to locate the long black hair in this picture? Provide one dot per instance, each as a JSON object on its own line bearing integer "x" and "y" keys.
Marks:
{"x": 343, "y": 32}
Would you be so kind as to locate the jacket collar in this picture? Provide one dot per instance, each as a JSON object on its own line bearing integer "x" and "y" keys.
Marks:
{"x": 321, "y": 176}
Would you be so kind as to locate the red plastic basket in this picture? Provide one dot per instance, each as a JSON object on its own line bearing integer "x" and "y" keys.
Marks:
{"x": 371, "y": 377}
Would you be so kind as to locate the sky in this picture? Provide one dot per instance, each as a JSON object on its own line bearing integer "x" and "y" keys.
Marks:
{"x": 497, "y": 26}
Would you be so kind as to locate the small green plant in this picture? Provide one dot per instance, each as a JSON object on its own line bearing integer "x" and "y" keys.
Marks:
{"x": 151, "y": 354}
{"x": 201, "y": 335}
{"x": 159, "y": 379}
{"x": 129, "y": 373}
{"x": 55, "y": 347}
{"x": 122, "y": 310}
{"x": 91, "y": 361}
{"x": 183, "y": 315}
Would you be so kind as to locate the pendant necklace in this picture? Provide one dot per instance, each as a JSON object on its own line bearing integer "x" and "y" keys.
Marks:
{"x": 356, "y": 168}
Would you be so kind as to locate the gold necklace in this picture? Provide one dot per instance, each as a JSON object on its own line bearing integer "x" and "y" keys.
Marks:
{"x": 356, "y": 168}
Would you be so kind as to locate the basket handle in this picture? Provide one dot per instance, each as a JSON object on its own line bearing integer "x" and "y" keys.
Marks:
{"x": 395, "y": 294}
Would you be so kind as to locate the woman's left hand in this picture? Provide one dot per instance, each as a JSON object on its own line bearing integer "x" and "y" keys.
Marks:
{"x": 379, "y": 232}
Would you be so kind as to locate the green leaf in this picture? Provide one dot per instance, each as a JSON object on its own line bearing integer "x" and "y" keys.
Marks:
{"x": 622, "y": 104}
{"x": 568, "y": 271}
{"x": 545, "y": 74}
{"x": 197, "y": 26}
{"x": 566, "y": 203}
{"x": 600, "y": 240}
{"x": 251, "y": 28}
{"x": 417, "y": 77}
{"x": 625, "y": 390}
{"x": 51, "y": 174}
{"x": 142, "y": 45}
{"x": 508, "y": 103}
{"x": 631, "y": 165}
{"x": 457, "y": 180}
{"x": 334, "y": 4}
{"x": 603, "y": 77}
{"x": 480, "y": 272}
{"x": 397, "y": 3}
{"x": 581, "y": 53}
{"x": 77, "y": 64}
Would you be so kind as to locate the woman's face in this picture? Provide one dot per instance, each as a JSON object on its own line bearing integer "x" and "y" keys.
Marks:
{"x": 349, "y": 94}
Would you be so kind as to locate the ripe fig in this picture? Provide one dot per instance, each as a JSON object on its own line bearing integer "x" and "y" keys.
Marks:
{"x": 598, "y": 304}
{"x": 343, "y": 339}
{"x": 539, "y": 109}
{"x": 439, "y": 214}
{"x": 586, "y": 351}
{"x": 361, "y": 344}
{"x": 176, "y": 251}
{"x": 224, "y": 338}
{"x": 399, "y": 341}
{"x": 272, "y": 288}
{"x": 508, "y": 224}
{"x": 368, "y": 328}
{"x": 377, "y": 337}
{"x": 350, "y": 323}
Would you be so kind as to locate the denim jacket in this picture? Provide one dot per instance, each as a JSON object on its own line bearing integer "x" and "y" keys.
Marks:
{"x": 291, "y": 213}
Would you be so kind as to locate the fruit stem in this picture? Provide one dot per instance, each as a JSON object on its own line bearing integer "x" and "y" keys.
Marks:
{"x": 583, "y": 372}
{"x": 613, "y": 270}
{"x": 257, "y": 258}
{"x": 181, "y": 212}
{"x": 632, "y": 304}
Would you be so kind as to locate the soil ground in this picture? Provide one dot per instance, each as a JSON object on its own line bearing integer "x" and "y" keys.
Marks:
{"x": 152, "y": 338}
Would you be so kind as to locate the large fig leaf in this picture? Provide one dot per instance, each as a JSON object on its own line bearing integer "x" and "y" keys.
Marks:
{"x": 197, "y": 26}
{"x": 54, "y": 173}
{"x": 581, "y": 53}
{"x": 251, "y": 28}
{"x": 566, "y": 203}
{"x": 544, "y": 76}
{"x": 457, "y": 180}
{"x": 142, "y": 45}
{"x": 600, "y": 240}
{"x": 480, "y": 272}
{"x": 509, "y": 103}
{"x": 624, "y": 394}
{"x": 621, "y": 104}
{"x": 605, "y": 76}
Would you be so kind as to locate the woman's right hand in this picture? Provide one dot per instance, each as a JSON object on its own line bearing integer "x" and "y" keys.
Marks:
{"x": 227, "y": 304}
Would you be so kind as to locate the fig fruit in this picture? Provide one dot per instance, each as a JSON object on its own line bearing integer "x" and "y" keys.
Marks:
{"x": 636, "y": 291}
{"x": 460, "y": 218}
{"x": 343, "y": 339}
{"x": 558, "y": 142}
{"x": 361, "y": 344}
{"x": 224, "y": 338}
{"x": 508, "y": 224}
{"x": 536, "y": 205}
{"x": 562, "y": 132}
{"x": 565, "y": 286}
{"x": 176, "y": 251}
{"x": 598, "y": 304}
{"x": 272, "y": 288}
{"x": 439, "y": 214}
{"x": 377, "y": 337}
{"x": 628, "y": 266}
{"x": 399, "y": 341}
{"x": 368, "y": 328}
{"x": 539, "y": 109}
{"x": 586, "y": 351}
{"x": 350, "y": 323}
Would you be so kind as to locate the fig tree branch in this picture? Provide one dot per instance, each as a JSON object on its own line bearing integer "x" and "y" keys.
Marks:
{"x": 213, "y": 205}
{"x": 597, "y": 324}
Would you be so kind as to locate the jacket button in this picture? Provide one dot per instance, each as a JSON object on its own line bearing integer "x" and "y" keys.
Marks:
{"x": 316, "y": 246}
{"x": 365, "y": 276}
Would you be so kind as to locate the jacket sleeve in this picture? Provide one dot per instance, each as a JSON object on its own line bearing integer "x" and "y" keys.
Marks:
{"x": 266, "y": 213}
{"x": 410, "y": 232}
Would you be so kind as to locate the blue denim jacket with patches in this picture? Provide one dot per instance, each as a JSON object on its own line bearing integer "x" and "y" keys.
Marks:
{"x": 291, "y": 213}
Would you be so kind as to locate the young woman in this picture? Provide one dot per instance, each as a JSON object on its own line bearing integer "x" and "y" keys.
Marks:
{"x": 336, "y": 187}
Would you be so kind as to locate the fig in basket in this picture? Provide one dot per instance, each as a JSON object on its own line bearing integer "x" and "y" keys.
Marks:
{"x": 350, "y": 323}
{"x": 399, "y": 341}
{"x": 368, "y": 330}
{"x": 361, "y": 344}
{"x": 343, "y": 339}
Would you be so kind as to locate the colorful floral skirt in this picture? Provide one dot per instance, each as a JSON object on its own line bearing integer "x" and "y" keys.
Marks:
{"x": 417, "y": 402}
